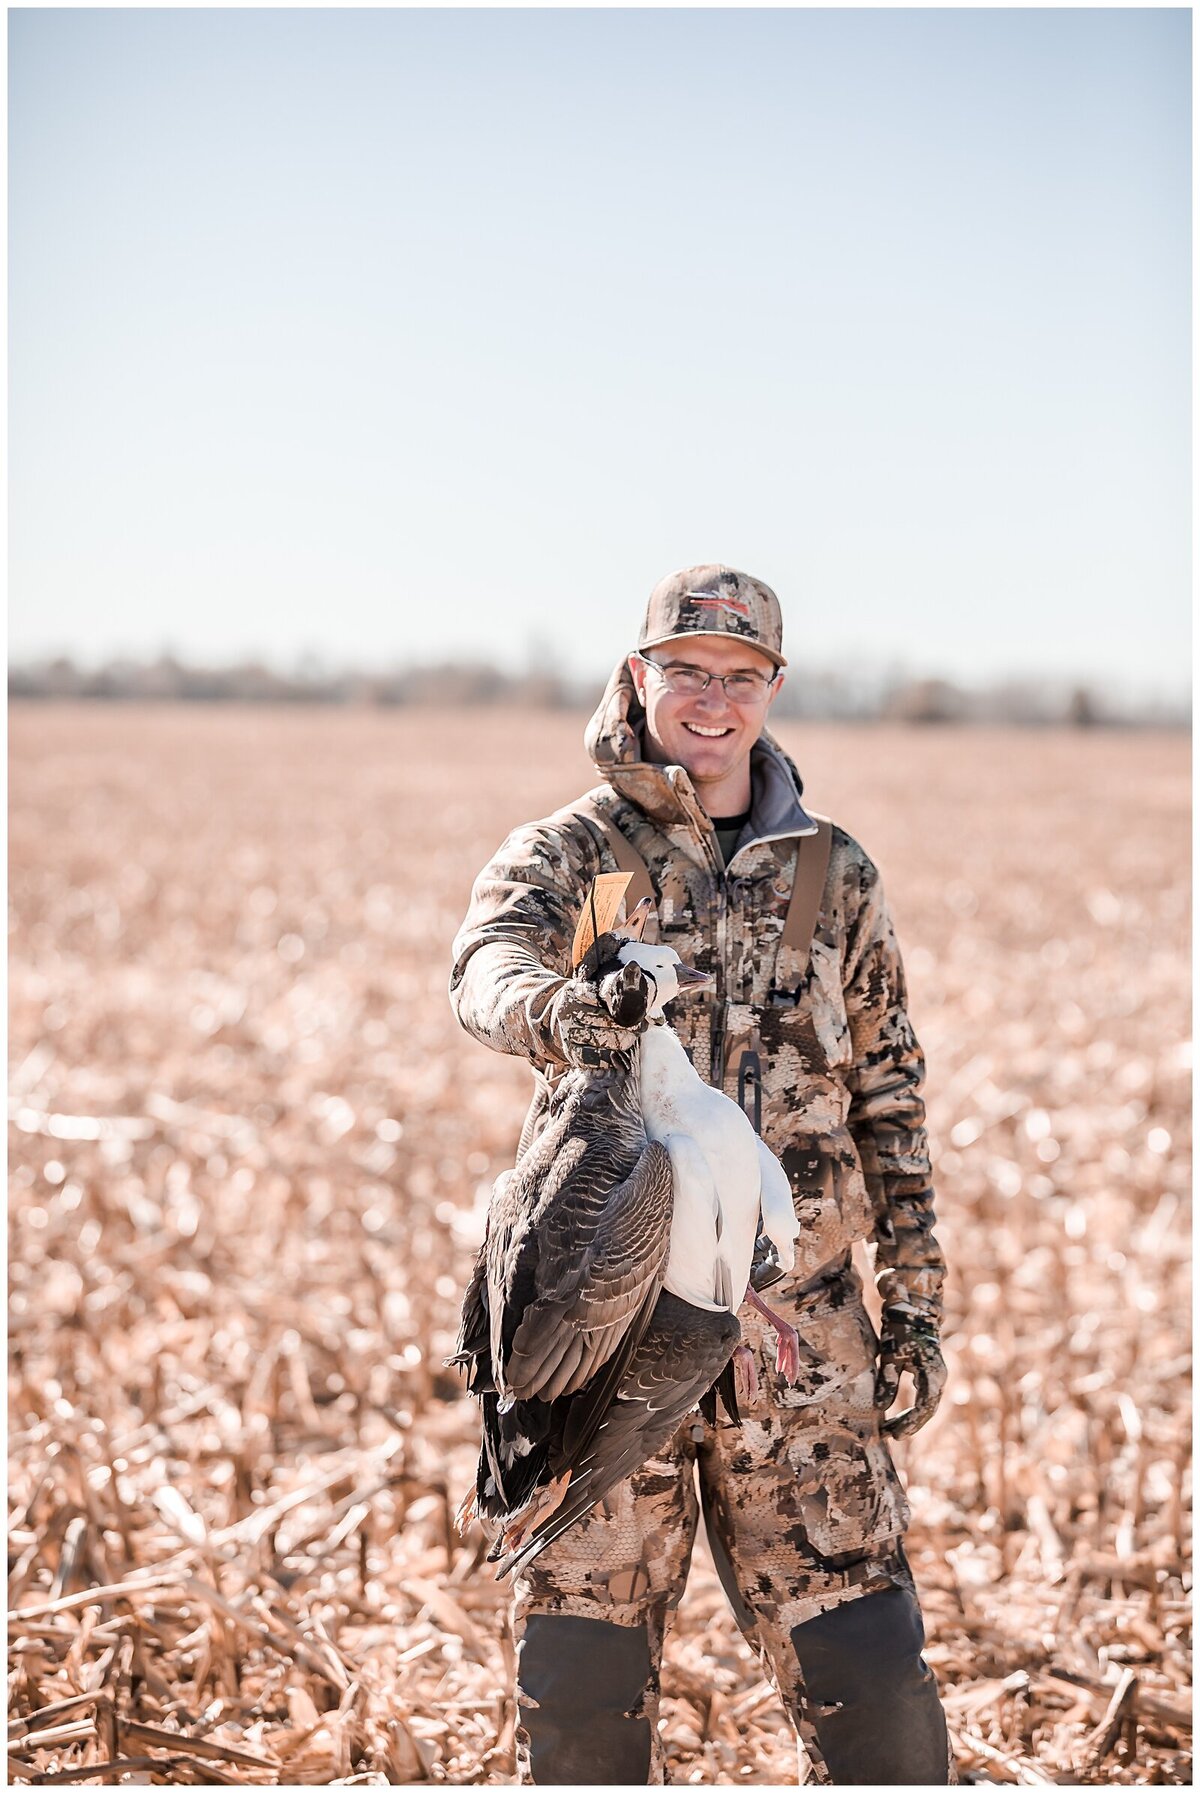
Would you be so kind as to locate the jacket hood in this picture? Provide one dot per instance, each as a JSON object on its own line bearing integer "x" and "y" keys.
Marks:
{"x": 615, "y": 743}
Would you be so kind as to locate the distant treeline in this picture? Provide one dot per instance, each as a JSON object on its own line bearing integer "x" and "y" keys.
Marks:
{"x": 821, "y": 696}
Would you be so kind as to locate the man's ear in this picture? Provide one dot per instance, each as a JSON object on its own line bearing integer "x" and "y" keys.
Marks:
{"x": 638, "y": 671}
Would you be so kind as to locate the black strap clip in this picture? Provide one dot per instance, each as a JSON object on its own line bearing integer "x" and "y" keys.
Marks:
{"x": 750, "y": 1089}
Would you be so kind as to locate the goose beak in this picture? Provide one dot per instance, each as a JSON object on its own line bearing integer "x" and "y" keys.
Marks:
{"x": 688, "y": 980}
{"x": 635, "y": 927}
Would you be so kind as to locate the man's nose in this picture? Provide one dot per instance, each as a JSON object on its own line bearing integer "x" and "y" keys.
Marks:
{"x": 713, "y": 697}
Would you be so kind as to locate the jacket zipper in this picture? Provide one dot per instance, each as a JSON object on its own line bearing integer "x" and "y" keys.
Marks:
{"x": 721, "y": 1004}
{"x": 717, "y": 1026}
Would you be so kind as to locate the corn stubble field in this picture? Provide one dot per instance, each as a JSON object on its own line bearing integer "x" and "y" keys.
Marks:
{"x": 250, "y": 1155}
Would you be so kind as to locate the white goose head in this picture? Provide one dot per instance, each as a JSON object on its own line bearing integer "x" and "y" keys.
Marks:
{"x": 666, "y": 970}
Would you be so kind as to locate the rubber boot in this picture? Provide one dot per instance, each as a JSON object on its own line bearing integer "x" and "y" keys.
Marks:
{"x": 869, "y": 1695}
{"x": 580, "y": 1690}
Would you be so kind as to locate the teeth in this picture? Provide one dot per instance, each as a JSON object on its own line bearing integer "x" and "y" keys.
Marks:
{"x": 697, "y": 730}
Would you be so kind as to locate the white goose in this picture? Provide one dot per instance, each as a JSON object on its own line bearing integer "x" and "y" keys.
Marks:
{"x": 724, "y": 1175}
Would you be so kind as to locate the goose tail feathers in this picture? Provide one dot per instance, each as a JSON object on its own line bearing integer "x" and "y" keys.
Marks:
{"x": 682, "y": 1352}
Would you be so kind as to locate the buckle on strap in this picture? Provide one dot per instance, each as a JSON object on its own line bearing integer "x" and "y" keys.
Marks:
{"x": 750, "y": 1087}
{"x": 749, "y": 1043}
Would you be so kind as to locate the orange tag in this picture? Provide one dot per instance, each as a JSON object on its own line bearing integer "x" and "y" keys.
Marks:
{"x": 604, "y": 908}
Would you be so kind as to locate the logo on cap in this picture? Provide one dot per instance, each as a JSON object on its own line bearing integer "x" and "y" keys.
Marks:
{"x": 705, "y": 601}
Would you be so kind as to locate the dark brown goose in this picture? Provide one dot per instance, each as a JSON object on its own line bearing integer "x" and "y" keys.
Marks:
{"x": 583, "y": 1363}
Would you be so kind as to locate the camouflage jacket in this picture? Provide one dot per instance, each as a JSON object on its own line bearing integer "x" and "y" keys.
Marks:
{"x": 841, "y": 1068}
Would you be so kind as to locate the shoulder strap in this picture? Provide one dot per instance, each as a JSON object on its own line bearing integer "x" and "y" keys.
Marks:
{"x": 627, "y": 857}
{"x": 812, "y": 863}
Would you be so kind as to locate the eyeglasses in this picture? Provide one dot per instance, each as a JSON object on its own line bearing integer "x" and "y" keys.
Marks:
{"x": 690, "y": 681}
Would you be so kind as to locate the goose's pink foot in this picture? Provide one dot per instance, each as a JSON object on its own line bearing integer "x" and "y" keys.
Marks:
{"x": 787, "y": 1356}
{"x": 745, "y": 1375}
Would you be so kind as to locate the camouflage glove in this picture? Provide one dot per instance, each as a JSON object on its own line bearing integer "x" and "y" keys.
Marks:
{"x": 589, "y": 1019}
{"x": 765, "y": 1266}
{"x": 908, "y": 1340}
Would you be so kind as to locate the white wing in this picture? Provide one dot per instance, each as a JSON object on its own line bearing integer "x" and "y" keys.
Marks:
{"x": 778, "y": 1210}
{"x": 696, "y": 1270}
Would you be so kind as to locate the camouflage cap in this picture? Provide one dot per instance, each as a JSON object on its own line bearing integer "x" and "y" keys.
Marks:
{"x": 714, "y": 600}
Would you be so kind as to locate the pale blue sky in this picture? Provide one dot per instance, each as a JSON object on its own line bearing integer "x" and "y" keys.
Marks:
{"x": 390, "y": 333}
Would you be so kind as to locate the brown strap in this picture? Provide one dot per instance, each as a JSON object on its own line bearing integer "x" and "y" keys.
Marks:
{"x": 628, "y": 859}
{"x": 812, "y": 863}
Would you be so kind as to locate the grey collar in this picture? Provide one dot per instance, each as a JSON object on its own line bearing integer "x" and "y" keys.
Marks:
{"x": 776, "y": 812}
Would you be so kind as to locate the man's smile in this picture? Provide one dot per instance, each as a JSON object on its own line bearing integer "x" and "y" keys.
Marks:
{"x": 708, "y": 733}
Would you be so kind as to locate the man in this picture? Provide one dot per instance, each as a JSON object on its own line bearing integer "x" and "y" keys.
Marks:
{"x": 806, "y": 1022}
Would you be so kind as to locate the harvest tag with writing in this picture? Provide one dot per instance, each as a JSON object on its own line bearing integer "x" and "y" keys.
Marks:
{"x": 604, "y": 908}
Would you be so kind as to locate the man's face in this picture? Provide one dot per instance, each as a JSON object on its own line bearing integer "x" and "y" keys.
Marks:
{"x": 705, "y": 733}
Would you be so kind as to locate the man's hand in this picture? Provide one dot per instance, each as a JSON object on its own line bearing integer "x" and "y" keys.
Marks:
{"x": 608, "y": 1019}
{"x": 908, "y": 1340}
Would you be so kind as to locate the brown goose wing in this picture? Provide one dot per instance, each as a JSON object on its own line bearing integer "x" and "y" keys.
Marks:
{"x": 681, "y": 1354}
{"x": 601, "y": 1258}
{"x": 471, "y": 1350}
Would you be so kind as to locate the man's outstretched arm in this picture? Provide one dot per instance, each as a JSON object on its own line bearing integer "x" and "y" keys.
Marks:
{"x": 512, "y": 955}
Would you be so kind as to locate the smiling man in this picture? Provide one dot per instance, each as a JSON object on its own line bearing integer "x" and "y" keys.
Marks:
{"x": 806, "y": 1024}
